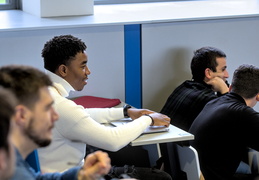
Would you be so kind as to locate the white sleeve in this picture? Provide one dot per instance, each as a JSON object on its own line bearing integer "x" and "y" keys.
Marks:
{"x": 76, "y": 124}
{"x": 105, "y": 115}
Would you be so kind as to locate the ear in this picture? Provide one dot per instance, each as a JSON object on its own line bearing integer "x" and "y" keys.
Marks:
{"x": 22, "y": 115}
{"x": 62, "y": 70}
{"x": 207, "y": 73}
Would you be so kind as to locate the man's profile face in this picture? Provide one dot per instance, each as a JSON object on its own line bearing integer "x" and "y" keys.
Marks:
{"x": 42, "y": 119}
{"x": 221, "y": 69}
{"x": 78, "y": 71}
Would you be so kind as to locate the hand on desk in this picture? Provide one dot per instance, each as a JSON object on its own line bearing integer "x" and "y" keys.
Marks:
{"x": 96, "y": 165}
{"x": 136, "y": 113}
{"x": 160, "y": 119}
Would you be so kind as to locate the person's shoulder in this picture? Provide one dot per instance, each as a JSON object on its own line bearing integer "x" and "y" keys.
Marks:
{"x": 186, "y": 83}
{"x": 195, "y": 83}
{"x": 21, "y": 174}
{"x": 23, "y": 171}
{"x": 196, "y": 86}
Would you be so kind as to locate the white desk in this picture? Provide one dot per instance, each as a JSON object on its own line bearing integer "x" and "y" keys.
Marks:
{"x": 169, "y": 147}
{"x": 170, "y": 151}
{"x": 173, "y": 135}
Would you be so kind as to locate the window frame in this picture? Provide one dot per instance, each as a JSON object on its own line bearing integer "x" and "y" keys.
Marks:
{"x": 10, "y": 4}
{"x": 103, "y": 2}
{"x": 16, "y": 4}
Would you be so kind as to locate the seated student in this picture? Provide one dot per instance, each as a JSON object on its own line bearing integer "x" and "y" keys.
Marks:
{"x": 209, "y": 74}
{"x": 7, "y": 155}
{"x": 227, "y": 126}
{"x": 66, "y": 61}
{"x": 33, "y": 122}
{"x": 209, "y": 81}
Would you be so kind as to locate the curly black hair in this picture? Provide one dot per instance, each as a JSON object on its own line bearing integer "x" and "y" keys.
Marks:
{"x": 61, "y": 50}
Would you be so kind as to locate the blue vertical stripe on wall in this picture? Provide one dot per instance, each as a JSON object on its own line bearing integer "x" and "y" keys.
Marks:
{"x": 133, "y": 83}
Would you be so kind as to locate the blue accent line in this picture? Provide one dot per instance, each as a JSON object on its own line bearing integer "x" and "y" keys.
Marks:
{"x": 133, "y": 74}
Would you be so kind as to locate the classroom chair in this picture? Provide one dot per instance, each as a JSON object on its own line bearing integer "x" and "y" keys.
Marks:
{"x": 189, "y": 162}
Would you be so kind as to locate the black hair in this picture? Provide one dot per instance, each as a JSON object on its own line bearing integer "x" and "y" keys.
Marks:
{"x": 204, "y": 58}
{"x": 61, "y": 50}
{"x": 246, "y": 81}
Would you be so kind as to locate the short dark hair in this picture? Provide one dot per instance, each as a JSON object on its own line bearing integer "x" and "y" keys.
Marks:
{"x": 61, "y": 50}
{"x": 25, "y": 82}
{"x": 7, "y": 110}
{"x": 246, "y": 81}
{"x": 203, "y": 58}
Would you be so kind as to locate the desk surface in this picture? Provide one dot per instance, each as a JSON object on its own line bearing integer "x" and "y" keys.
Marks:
{"x": 173, "y": 135}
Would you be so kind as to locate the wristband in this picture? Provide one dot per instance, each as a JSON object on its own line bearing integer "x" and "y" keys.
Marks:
{"x": 152, "y": 124}
{"x": 125, "y": 110}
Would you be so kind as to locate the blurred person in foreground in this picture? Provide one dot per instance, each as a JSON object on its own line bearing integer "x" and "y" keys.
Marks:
{"x": 33, "y": 122}
{"x": 7, "y": 154}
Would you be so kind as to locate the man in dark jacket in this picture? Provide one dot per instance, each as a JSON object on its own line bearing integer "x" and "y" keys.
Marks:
{"x": 209, "y": 71}
{"x": 227, "y": 126}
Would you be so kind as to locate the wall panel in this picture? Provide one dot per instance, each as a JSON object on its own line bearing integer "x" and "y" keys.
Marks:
{"x": 105, "y": 51}
{"x": 167, "y": 49}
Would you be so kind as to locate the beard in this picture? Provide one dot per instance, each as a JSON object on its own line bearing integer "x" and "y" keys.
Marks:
{"x": 34, "y": 136}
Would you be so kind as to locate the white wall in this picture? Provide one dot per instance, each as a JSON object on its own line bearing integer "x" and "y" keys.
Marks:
{"x": 105, "y": 51}
{"x": 168, "y": 48}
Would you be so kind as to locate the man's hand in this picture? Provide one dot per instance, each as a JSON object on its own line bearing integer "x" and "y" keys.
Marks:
{"x": 218, "y": 85}
{"x": 160, "y": 119}
{"x": 96, "y": 165}
{"x": 136, "y": 113}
